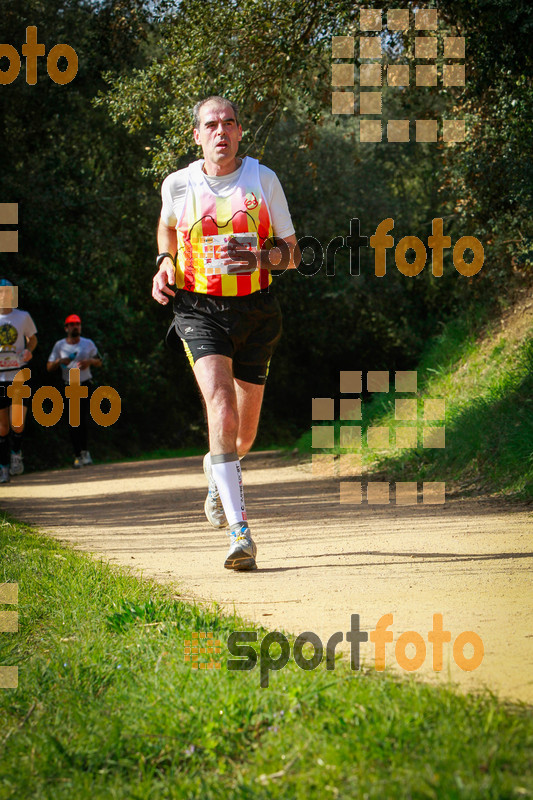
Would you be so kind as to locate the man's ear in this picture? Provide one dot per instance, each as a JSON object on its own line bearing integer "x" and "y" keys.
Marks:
{"x": 196, "y": 135}
{"x": 240, "y": 133}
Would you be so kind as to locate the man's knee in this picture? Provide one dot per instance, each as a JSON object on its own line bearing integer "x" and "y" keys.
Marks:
{"x": 244, "y": 444}
{"x": 228, "y": 421}
{"x": 223, "y": 413}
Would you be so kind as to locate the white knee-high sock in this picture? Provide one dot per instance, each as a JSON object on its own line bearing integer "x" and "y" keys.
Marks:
{"x": 226, "y": 470}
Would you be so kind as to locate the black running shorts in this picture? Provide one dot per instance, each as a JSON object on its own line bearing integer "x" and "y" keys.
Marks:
{"x": 245, "y": 329}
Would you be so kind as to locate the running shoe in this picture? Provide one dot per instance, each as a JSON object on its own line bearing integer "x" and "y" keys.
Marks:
{"x": 4, "y": 475}
{"x": 17, "y": 464}
{"x": 86, "y": 460}
{"x": 214, "y": 510}
{"x": 78, "y": 463}
{"x": 242, "y": 551}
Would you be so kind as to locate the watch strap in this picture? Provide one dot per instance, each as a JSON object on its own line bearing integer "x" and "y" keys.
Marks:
{"x": 161, "y": 257}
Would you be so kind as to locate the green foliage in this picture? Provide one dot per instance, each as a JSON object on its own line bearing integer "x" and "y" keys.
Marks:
{"x": 485, "y": 376}
{"x": 274, "y": 61}
{"x": 86, "y": 223}
{"x": 490, "y": 179}
{"x": 255, "y": 53}
{"x": 488, "y": 387}
{"x": 81, "y": 161}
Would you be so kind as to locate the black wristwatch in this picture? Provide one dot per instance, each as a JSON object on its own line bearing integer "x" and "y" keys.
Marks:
{"x": 161, "y": 257}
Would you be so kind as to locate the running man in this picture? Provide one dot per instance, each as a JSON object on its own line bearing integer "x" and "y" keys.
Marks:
{"x": 75, "y": 351}
{"x": 220, "y": 217}
{"x": 17, "y": 343}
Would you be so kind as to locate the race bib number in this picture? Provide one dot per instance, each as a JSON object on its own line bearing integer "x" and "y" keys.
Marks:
{"x": 211, "y": 252}
{"x": 11, "y": 361}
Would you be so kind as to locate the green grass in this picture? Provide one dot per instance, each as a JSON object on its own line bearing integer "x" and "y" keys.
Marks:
{"x": 488, "y": 388}
{"x": 107, "y": 708}
{"x": 153, "y": 455}
{"x": 163, "y": 452}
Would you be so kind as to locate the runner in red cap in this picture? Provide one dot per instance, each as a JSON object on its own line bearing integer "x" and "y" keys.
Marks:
{"x": 75, "y": 351}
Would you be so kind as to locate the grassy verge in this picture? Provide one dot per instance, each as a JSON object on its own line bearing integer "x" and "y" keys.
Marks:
{"x": 107, "y": 708}
{"x": 163, "y": 452}
{"x": 152, "y": 455}
{"x": 487, "y": 383}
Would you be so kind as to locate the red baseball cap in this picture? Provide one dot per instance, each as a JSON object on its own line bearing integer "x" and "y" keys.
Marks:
{"x": 72, "y": 318}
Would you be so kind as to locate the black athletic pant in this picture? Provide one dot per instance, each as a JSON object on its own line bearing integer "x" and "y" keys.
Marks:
{"x": 78, "y": 434}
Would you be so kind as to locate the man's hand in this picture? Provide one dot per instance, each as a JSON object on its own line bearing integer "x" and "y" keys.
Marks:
{"x": 284, "y": 255}
{"x": 27, "y": 355}
{"x": 241, "y": 260}
{"x": 53, "y": 365}
{"x": 161, "y": 291}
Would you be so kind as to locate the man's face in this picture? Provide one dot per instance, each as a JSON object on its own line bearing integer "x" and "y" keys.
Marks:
{"x": 73, "y": 329}
{"x": 218, "y": 134}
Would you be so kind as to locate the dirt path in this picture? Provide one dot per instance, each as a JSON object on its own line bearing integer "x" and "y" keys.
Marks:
{"x": 319, "y": 561}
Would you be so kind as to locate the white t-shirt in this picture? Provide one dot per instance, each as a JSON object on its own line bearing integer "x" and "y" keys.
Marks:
{"x": 85, "y": 348}
{"x": 174, "y": 190}
{"x": 15, "y": 328}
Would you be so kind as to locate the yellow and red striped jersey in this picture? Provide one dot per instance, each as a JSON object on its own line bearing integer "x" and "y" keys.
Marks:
{"x": 207, "y": 220}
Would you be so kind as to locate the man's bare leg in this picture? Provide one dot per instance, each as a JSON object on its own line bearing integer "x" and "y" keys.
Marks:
{"x": 249, "y": 402}
{"x": 214, "y": 375}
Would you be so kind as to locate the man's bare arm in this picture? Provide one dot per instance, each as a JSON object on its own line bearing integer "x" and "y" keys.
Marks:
{"x": 31, "y": 344}
{"x": 53, "y": 365}
{"x": 167, "y": 242}
{"x": 95, "y": 361}
{"x": 279, "y": 256}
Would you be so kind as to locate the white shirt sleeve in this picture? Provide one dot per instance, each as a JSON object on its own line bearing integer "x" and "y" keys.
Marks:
{"x": 28, "y": 328}
{"x": 173, "y": 192}
{"x": 277, "y": 203}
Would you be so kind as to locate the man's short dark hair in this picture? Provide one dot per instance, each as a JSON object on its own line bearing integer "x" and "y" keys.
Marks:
{"x": 213, "y": 98}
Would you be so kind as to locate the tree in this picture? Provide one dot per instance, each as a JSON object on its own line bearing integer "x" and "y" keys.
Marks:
{"x": 86, "y": 213}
